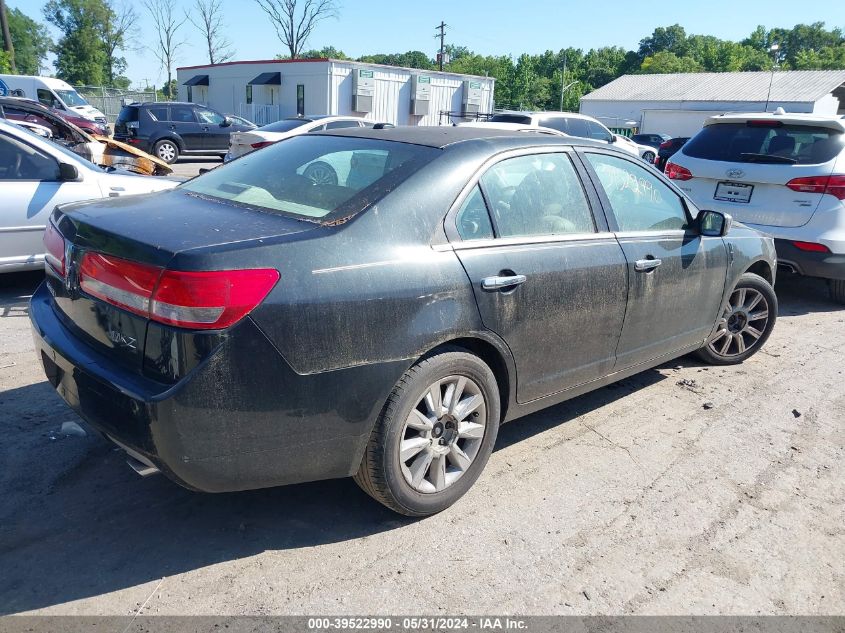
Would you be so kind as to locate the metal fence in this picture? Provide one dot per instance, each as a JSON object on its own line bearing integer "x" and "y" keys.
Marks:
{"x": 259, "y": 114}
{"x": 109, "y": 101}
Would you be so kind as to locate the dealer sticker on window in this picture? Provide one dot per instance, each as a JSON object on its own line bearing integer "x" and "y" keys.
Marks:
{"x": 733, "y": 192}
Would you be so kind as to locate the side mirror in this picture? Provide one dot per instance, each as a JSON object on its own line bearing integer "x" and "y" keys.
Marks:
{"x": 68, "y": 172}
{"x": 226, "y": 122}
{"x": 714, "y": 223}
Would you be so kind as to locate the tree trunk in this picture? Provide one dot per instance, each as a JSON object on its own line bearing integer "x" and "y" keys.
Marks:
{"x": 7, "y": 37}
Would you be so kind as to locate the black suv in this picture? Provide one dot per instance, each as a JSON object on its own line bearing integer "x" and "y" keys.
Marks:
{"x": 170, "y": 129}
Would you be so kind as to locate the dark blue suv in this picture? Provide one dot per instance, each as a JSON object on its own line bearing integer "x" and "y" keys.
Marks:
{"x": 171, "y": 129}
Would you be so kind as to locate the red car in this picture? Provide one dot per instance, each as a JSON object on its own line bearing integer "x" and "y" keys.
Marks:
{"x": 92, "y": 127}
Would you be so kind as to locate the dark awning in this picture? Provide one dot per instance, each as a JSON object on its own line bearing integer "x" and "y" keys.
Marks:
{"x": 197, "y": 80}
{"x": 267, "y": 79}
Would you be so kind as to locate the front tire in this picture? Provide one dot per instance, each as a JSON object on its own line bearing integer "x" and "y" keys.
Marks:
{"x": 167, "y": 151}
{"x": 745, "y": 324}
{"x": 434, "y": 435}
{"x": 648, "y": 157}
{"x": 321, "y": 173}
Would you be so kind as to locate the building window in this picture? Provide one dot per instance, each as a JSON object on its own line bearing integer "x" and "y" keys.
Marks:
{"x": 249, "y": 93}
{"x": 300, "y": 99}
{"x": 190, "y": 94}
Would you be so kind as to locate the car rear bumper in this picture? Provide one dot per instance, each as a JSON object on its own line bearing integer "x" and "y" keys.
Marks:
{"x": 242, "y": 419}
{"x": 808, "y": 263}
{"x": 141, "y": 143}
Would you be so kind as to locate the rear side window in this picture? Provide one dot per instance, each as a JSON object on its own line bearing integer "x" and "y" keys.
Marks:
{"x": 578, "y": 127}
{"x": 556, "y": 123}
{"x": 760, "y": 142}
{"x": 337, "y": 125}
{"x": 312, "y": 176}
{"x": 158, "y": 113}
{"x": 537, "y": 195}
{"x": 127, "y": 113}
{"x": 511, "y": 118}
{"x": 473, "y": 220}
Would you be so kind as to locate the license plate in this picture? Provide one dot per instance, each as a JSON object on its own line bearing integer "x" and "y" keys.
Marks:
{"x": 733, "y": 192}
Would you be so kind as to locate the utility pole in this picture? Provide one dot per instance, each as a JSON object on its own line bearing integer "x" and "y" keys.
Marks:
{"x": 563, "y": 80}
{"x": 442, "y": 35}
{"x": 7, "y": 37}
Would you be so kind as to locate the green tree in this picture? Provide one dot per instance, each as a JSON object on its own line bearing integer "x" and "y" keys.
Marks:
{"x": 411, "y": 59}
{"x": 80, "y": 54}
{"x": 827, "y": 58}
{"x": 664, "y": 39}
{"x": 31, "y": 40}
{"x": 329, "y": 52}
{"x": 5, "y": 63}
{"x": 665, "y": 62}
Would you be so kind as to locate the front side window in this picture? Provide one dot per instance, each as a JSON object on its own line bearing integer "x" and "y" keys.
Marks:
{"x": 640, "y": 202}
{"x": 473, "y": 219}
{"x": 312, "y": 176}
{"x": 71, "y": 98}
{"x": 47, "y": 98}
{"x": 209, "y": 116}
{"x": 556, "y": 123}
{"x": 598, "y": 132}
{"x": 578, "y": 127}
{"x": 537, "y": 195}
{"x": 19, "y": 161}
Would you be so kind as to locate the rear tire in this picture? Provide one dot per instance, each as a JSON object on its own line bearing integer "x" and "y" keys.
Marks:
{"x": 745, "y": 324}
{"x": 321, "y": 173}
{"x": 166, "y": 150}
{"x": 418, "y": 463}
{"x": 837, "y": 290}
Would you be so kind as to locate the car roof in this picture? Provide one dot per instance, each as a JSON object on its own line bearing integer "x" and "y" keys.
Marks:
{"x": 795, "y": 118}
{"x": 445, "y": 135}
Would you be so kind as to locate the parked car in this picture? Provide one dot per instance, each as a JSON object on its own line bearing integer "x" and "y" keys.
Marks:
{"x": 652, "y": 140}
{"x": 35, "y": 176}
{"x": 33, "y": 115}
{"x": 98, "y": 149}
{"x": 783, "y": 174}
{"x": 241, "y": 143}
{"x": 569, "y": 123}
{"x": 239, "y": 120}
{"x": 52, "y": 93}
{"x": 252, "y": 328}
{"x": 171, "y": 129}
{"x": 667, "y": 149}
{"x": 646, "y": 152}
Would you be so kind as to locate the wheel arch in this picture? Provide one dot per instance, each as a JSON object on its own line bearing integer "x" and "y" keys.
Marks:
{"x": 495, "y": 354}
{"x": 761, "y": 268}
{"x": 170, "y": 137}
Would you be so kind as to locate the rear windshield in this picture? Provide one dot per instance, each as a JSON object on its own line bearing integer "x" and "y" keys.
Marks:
{"x": 314, "y": 177}
{"x": 285, "y": 125}
{"x": 759, "y": 142}
{"x": 511, "y": 118}
{"x": 127, "y": 113}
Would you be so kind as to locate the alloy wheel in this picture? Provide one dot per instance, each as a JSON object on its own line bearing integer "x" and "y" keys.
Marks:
{"x": 321, "y": 174}
{"x": 742, "y": 324}
{"x": 443, "y": 434}
{"x": 166, "y": 152}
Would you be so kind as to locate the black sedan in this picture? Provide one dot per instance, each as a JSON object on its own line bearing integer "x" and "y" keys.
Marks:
{"x": 255, "y": 328}
{"x": 667, "y": 149}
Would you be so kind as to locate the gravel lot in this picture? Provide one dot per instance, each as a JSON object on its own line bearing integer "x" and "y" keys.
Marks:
{"x": 190, "y": 167}
{"x": 637, "y": 498}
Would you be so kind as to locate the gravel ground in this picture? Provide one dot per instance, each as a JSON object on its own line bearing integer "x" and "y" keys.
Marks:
{"x": 634, "y": 499}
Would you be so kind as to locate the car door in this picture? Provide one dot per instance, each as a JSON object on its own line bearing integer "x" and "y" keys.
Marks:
{"x": 215, "y": 136}
{"x": 185, "y": 124}
{"x": 676, "y": 277}
{"x": 31, "y": 188}
{"x": 548, "y": 277}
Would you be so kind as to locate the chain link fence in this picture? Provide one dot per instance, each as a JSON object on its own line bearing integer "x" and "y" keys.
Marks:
{"x": 109, "y": 101}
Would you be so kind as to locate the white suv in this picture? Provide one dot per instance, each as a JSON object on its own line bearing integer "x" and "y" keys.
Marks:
{"x": 569, "y": 123}
{"x": 783, "y": 174}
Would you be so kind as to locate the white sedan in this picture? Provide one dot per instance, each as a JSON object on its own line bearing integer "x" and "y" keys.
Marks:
{"x": 37, "y": 174}
{"x": 241, "y": 143}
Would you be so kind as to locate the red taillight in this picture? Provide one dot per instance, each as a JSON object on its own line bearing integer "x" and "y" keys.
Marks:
{"x": 208, "y": 300}
{"x": 261, "y": 144}
{"x": 831, "y": 185}
{"x": 811, "y": 247}
{"x": 764, "y": 123}
{"x": 55, "y": 245}
{"x": 676, "y": 172}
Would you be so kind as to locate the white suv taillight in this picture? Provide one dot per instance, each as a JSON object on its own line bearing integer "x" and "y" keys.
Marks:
{"x": 676, "y": 172}
{"x": 208, "y": 300}
{"x": 832, "y": 185}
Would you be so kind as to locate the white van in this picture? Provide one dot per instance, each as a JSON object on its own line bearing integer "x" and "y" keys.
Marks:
{"x": 53, "y": 93}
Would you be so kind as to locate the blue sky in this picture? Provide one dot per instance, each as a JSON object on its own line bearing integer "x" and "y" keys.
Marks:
{"x": 487, "y": 27}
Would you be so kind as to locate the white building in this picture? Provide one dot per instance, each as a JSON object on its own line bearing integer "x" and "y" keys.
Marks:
{"x": 266, "y": 91}
{"x": 678, "y": 104}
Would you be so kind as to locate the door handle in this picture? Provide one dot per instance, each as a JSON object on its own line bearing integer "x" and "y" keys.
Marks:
{"x": 647, "y": 265}
{"x": 497, "y": 283}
